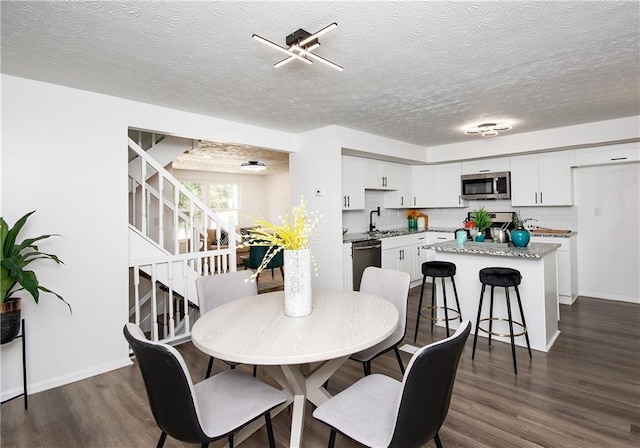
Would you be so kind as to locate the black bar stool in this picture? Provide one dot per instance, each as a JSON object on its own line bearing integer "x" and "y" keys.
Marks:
{"x": 506, "y": 278}
{"x": 438, "y": 269}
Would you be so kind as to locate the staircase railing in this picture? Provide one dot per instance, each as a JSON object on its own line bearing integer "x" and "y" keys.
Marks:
{"x": 166, "y": 213}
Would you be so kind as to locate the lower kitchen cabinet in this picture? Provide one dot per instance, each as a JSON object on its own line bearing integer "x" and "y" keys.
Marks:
{"x": 398, "y": 253}
{"x": 567, "y": 267}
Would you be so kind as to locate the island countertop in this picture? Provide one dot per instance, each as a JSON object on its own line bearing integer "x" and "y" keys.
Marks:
{"x": 533, "y": 250}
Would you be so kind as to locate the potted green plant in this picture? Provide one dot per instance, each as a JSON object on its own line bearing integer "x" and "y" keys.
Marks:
{"x": 483, "y": 221}
{"x": 16, "y": 256}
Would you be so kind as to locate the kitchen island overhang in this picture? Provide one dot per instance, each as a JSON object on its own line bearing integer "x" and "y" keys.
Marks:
{"x": 539, "y": 287}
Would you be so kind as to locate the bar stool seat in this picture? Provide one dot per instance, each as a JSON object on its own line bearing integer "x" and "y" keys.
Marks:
{"x": 438, "y": 269}
{"x": 505, "y": 278}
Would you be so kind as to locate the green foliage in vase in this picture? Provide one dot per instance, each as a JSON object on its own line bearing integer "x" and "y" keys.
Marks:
{"x": 16, "y": 256}
{"x": 482, "y": 218}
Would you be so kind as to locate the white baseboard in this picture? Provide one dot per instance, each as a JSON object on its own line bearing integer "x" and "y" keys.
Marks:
{"x": 609, "y": 296}
{"x": 67, "y": 379}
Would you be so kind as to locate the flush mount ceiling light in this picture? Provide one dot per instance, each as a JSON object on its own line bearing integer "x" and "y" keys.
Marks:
{"x": 300, "y": 45}
{"x": 487, "y": 129}
{"x": 253, "y": 165}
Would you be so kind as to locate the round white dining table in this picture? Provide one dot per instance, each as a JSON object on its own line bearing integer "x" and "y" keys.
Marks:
{"x": 255, "y": 330}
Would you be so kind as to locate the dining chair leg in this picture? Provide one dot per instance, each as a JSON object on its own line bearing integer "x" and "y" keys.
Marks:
{"x": 231, "y": 440}
{"x": 366, "y": 366}
{"x": 436, "y": 439}
{"x": 163, "y": 437}
{"x": 272, "y": 442}
{"x": 255, "y": 370}
{"x": 415, "y": 335}
{"x": 332, "y": 438}
{"x": 205, "y": 445}
{"x": 209, "y": 367}
{"x": 395, "y": 349}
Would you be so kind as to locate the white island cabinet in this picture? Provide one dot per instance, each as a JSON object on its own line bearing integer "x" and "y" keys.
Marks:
{"x": 538, "y": 289}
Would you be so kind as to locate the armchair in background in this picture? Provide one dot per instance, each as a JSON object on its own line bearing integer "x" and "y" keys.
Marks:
{"x": 257, "y": 253}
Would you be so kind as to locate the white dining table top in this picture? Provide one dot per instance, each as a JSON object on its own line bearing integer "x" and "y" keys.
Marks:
{"x": 255, "y": 330}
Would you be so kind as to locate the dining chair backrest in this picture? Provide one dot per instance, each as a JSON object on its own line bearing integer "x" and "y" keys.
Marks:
{"x": 218, "y": 289}
{"x": 392, "y": 286}
{"x": 169, "y": 387}
{"x": 427, "y": 387}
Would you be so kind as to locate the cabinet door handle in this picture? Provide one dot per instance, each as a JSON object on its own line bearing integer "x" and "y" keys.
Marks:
{"x": 483, "y": 171}
{"x": 401, "y": 201}
{"x": 414, "y": 200}
{"x": 536, "y": 197}
{"x": 349, "y": 201}
{"x": 418, "y": 251}
{"x": 459, "y": 200}
{"x": 541, "y": 197}
{"x": 618, "y": 158}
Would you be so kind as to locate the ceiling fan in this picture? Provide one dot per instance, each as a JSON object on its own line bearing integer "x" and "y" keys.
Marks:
{"x": 300, "y": 45}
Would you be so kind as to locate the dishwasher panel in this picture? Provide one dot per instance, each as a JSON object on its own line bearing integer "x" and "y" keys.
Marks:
{"x": 365, "y": 254}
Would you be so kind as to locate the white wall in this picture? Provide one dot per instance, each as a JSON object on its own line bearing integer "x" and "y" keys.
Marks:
{"x": 609, "y": 243}
{"x": 64, "y": 154}
{"x": 580, "y": 135}
{"x": 259, "y": 197}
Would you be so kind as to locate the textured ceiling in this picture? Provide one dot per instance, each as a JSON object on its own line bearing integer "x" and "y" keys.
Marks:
{"x": 413, "y": 71}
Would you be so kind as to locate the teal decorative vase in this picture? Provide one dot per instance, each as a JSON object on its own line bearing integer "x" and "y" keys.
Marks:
{"x": 520, "y": 237}
{"x": 480, "y": 237}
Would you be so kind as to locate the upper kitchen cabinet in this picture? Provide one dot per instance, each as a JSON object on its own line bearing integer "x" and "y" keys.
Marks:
{"x": 380, "y": 175}
{"x": 400, "y": 198}
{"x": 486, "y": 165}
{"x": 625, "y": 152}
{"x": 436, "y": 186}
{"x": 352, "y": 183}
{"x": 542, "y": 179}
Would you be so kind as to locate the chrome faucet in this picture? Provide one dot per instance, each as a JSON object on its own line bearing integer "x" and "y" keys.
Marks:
{"x": 372, "y": 226}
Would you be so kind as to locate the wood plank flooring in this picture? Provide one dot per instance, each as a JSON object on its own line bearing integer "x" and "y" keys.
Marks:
{"x": 584, "y": 393}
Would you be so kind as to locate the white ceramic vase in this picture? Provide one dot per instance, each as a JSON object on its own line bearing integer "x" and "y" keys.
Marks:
{"x": 297, "y": 283}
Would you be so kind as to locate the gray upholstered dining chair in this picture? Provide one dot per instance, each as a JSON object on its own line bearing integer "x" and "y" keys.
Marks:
{"x": 218, "y": 289}
{"x": 204, "y": 412}
{"x": 394, "y": 287}
{"x": 379, "y": 411}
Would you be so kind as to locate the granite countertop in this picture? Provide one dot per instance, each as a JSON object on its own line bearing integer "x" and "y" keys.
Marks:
{"x": 389, "y": 233}
{"x": 533, "y": 250}
{"x": 552, "y": 233}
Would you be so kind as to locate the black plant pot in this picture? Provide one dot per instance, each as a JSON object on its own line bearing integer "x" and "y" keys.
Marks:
{"x": 9, "y": 320}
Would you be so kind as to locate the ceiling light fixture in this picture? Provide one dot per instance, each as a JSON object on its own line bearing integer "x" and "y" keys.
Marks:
{"x": 300, "y": 45}
{"x": 253, "y": 165}
{"x": 487, "y": 129}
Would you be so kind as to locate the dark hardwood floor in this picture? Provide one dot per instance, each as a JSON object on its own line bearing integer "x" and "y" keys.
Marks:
{"x": 584, "y": 393}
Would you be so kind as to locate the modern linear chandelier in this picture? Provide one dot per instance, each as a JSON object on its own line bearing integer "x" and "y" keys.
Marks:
{"x": 487, "y": 129}
{"x": 300, "y": 45}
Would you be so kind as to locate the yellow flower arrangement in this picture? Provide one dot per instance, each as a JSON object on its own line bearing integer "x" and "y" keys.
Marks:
{"x": 295, "y": 233}
{"x": 413, "y": 214}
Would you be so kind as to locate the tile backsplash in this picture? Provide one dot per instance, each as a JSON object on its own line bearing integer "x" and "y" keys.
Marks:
{"x": 358, "y": 220}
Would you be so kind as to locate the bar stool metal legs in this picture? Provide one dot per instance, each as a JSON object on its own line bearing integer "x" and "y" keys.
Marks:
{"x": 437, "y": 269}
{"x": 501, "y": 277}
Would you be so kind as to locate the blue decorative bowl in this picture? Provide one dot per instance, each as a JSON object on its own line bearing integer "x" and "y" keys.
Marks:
{"x": 520, "y": 237}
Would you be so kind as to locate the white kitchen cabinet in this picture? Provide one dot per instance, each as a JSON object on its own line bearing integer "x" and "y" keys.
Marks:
{"x": 380, "y": 175}
{"x": 437, "y": 237}
{"x": 421, "y": 255}
{"x": 400, "y": 198}
{"x": 352, "y": 183}
{"x": 542, "y": 179}
{"x": 347, "y": 267}
{"x": 420, "y": 185}
{"x": 436, "y": 186}
{"x": 567, "y": 266}
{"x": 486, "y": 165}
{"x": 604, "y": 155}
{"x": 445, "y": 186}
{"x": 398, "y": 254}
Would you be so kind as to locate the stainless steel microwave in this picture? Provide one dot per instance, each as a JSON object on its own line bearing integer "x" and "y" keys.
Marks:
{"x": 486, "y": 185}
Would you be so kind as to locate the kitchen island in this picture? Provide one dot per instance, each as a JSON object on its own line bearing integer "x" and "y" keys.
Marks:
{"x": 538, "y": 289}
